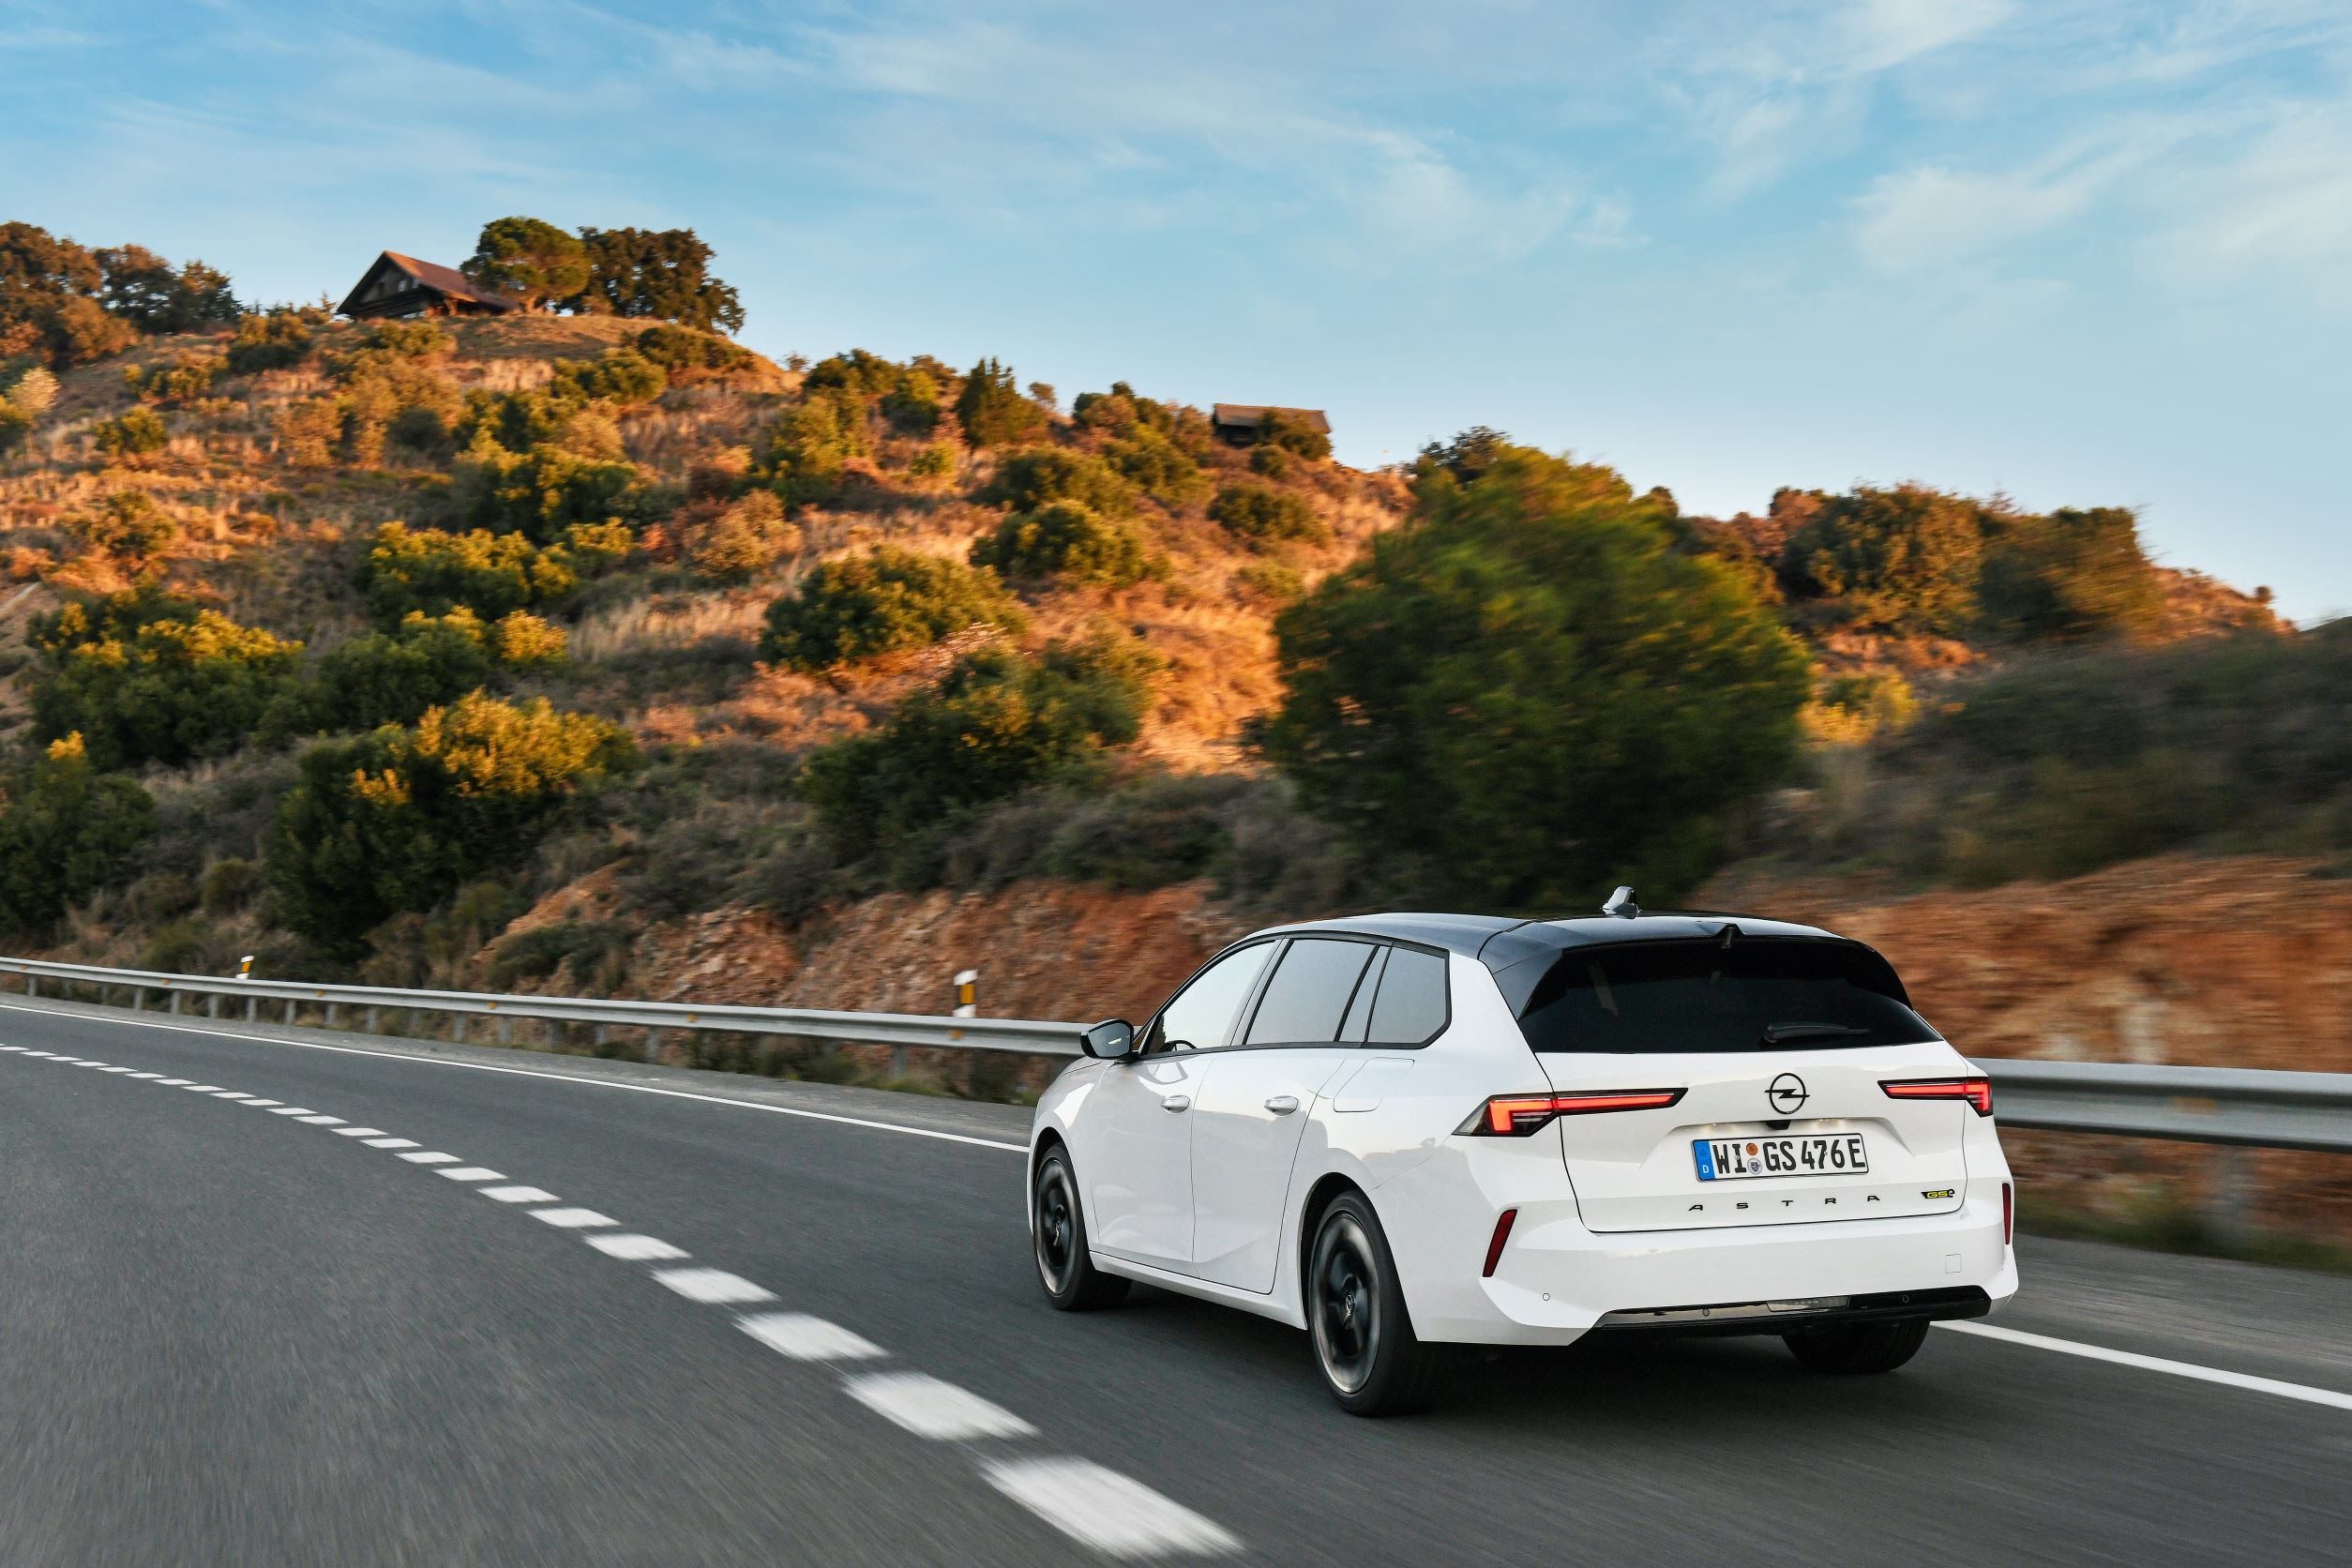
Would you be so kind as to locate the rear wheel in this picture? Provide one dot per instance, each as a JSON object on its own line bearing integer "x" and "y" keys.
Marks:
{"x": 1856, "y": 1348}
{"x": 1057, "y": 1229}
{"x": 1364, "y": 1345}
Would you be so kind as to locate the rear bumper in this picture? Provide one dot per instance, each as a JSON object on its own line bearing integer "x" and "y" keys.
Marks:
{"x": 1723, "y": 1318}
{"x": 1557, "y": 1281}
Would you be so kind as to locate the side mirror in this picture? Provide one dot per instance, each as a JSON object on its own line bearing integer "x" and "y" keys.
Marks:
{"x": 1111, "y": 1040}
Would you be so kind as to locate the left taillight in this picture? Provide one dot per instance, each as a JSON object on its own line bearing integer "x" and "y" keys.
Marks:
{"x": 1518, "y": 1115}
{"x": 1976, "y": 1090}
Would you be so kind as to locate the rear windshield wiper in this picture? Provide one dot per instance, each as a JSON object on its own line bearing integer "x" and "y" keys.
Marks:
{"x": 1780, "y": 1034}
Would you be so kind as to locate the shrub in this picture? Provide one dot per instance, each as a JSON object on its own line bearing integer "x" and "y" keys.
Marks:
{"x": 66, "y": 831}
{"x": 1263, "y": 514}
{"x": 425, "y": 570}
{"x": 997, "y": 724}
{"x": 413, "y": 339}
{"x": 868, "y": 375}
{"x": 148, "y": 678}
{"x": 889, "y": 601}
{"x": 1849, "y": 709}
{"x": 229, "y": 885}
{"x": 137, "y": 433}
{"x": 1271, "y": 462}
{"x": 181, "y": 381}
{"x": 912, "y": 402}
{"x": 1904, "y": 559}
{"x": 1152, "y": 463}
{"x": 15, "y": 425}
{"x": 745, "y": 540}
{"x": 1291, "y": 432}
{"x": 309, "y": 429}
{"x": 389, "y": 677}
{"x": 1069, "y": 542}
{"x": 1270, "y": 582}
{"x": 521, "y": 640}
{"x": 992, "y": 410}
{"x": 275, "y": 342}
{"x": 1028, "y": 479}
{"x": 2068, "y": 577}
{"x": 129, "y": 524}
{"x": 622, "y": 376}
{"x": 812, "y": 442}
{"x": 1528, "y": 689}
{"x": 542, "y": 492}
{"x": 34, "y": 392}
{"x": 685, "y": 351}
{"x": 392, "y": 821}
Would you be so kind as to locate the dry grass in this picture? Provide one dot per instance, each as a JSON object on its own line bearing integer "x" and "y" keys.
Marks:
{"x": 671, "y": 621}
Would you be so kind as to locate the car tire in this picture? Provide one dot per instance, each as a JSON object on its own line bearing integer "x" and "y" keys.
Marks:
{"x": 1364, "y": 1345}
{"x": 1057, "y": 1230}
{"x": 1853, "y": 1349}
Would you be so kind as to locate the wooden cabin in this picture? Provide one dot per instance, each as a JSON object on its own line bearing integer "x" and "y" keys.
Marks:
{"x": 399, "y": 285}
{"x": 1236, "y": 424}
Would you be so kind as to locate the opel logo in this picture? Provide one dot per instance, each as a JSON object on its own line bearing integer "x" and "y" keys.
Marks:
{"x": 1787, "y": 1093}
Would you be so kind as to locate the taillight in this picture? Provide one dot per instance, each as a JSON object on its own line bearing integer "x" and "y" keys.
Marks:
{"x": 2009, "y": 1219}
{"x": 1518, "y": 1115}
{"x": 1976, "y": 1090}
{"x": 1494, "y": 1248}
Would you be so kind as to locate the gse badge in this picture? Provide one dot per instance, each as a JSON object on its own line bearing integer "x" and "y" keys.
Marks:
{"x": 1940, "y": 1192}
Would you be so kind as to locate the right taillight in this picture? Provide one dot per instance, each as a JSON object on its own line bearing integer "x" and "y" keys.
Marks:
{"x": 1519, "y": 1115}
{"x": 1978, "y": 1092}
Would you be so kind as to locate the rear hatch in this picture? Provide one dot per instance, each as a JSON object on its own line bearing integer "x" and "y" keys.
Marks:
{"x": 1782, "y": 1048}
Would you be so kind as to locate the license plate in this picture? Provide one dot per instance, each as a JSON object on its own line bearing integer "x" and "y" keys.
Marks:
{"x": 1739, "y": 1159}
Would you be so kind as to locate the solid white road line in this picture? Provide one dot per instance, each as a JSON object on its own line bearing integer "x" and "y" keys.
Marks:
{"x": 714, "y": 1286}
{"x": 359, "y": 1132}
{"x": 803, "y": 1338}
{"x": 391, "y": 1143}
{"x": 517, "y": 1195}
{"x": 430, "y": 1156}
{"x": 541, "y": 1073}
{"x": 471, "y": 1174}
{"x": 1105, "y": 1510}
{"x": 572, "y": 1219}
{"x": 2158, "y": 1363}
{"x": 635, "y": 1248}
{"x": 930, "y": 1408}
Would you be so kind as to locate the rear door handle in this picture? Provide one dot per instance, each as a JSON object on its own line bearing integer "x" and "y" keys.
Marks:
{"x": 1177, "y": 1102}
{"x": 1283, "y": 1105}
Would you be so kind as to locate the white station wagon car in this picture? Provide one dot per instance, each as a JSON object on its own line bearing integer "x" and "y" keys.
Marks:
{"x": 1404, "y": 1132}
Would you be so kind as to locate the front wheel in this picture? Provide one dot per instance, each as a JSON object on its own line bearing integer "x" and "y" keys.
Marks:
{"x": 1853, "y": 1349}
{"x": 1057, "y": 1227}
{"x": 1364, "y": 1345}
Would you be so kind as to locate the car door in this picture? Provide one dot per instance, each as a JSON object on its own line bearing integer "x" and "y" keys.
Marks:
{"x": 1135, "y": 1130}
{"x": 1253, "y": 1101}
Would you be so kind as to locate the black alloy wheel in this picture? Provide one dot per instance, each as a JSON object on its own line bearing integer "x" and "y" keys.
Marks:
{"x": 1058, "y": 1234}
{"x": 1364, "y": 1345}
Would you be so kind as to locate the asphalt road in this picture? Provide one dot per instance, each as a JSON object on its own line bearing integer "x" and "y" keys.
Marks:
{"x": 230, "y": 1336}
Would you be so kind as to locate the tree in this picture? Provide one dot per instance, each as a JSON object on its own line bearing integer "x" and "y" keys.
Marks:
{"x": 529, "y": 260}
{"x": 145, "y": 677}
{"x": 1527, "y": 691}
{"x": 66, "y": 831}
{"x": 1067, "y": 541}
{"x": 992, "y": 411}
{"x": 889, "y": 601}
{"x": 1034, "y": 475}
{"x": 2068, "y": 577}
{"x": 656, "y": 275}
{"x": 1905, "y": 558}
{"x": 1280, "y": 428}
{"x": 1263, "y": 514}
{"x": 396, "y": 820}
{"x": 431, "y": 572}
{"x": 142, "y": 288}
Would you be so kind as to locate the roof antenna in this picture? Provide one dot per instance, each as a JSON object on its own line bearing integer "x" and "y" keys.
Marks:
{"x": 1621, "y": 904}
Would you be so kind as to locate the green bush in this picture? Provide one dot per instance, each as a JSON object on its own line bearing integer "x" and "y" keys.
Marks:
{"x": 1527, "y": 690}
{"x": 394, "y": 678}
{"x": 182, "y": 380}
{"x": 410, "y": 340}
{"x": 229, "y": 885}
{"x": 1154, "y": 465}
{"x": 147, "y": 678}
{"x": 683, "y": 351}
{"x": 66, "y": 831}
{"x": 392, "y": 821}
{"x": 812, "y": 442}
{"x": 997, "y": 725}
{"x": 891, "y": 600}
{"x": 935, "y": 461}
{"x": 1903, "y": 559}
{"x": 1291, "y": 432}
{"x": 912, "y": 402}
{"x": 1068, "y": 542}
{"x": 622, "y": 376}
{"x": 1271, "y": 462}
{"x": 277, "y": 340}
{"x": 542, "y": 492}
{"x": 1028, "y": 479}
{"x": 2068, "y": 577}
{"x": 868, "y": 375}
{"x": 992, "y": 410}
{"x": 429, "y": 571}
{"x": 138, "y": 432}
{"x": 129, "y": 525}
{"x": 745, "y": 540}
{"x": 1263, "y": 514}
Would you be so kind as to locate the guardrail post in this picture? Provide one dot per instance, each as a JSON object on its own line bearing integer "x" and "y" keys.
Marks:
{"x": 290, "y": 1009}
{"x": 899, "y": 1062}
{"x": 375, "y": 1016}
{"x": 506, "y": 1031}
{"x": 331, "y": 1009}
{"x": 2229, "y": 1199}
{"x": 252, "y": 1008}
{"x": 172, "y": 1004}
{"x": 457, "y": 1027}
{"x": 212, "y": 1005}
{"x": 32, "y": 984}
{"x": 138, "y": 998}
{"x": 653, "y": 1046}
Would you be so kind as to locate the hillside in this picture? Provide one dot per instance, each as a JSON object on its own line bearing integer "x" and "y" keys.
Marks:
{"x": 240, "y": 549}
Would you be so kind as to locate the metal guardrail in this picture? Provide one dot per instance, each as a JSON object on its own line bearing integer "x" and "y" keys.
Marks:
{"x": 2233, "y": 1106}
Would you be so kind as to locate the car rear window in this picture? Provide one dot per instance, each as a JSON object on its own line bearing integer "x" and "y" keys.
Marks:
{"x": 1750, "y": 994}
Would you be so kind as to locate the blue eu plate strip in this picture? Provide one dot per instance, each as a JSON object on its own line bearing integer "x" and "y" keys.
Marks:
{"x": 1706, "y": 1159}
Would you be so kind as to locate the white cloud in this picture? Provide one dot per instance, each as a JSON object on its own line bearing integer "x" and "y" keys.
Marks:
{"x": 1883, "y": 34}
{"x": 2279, "y": 207}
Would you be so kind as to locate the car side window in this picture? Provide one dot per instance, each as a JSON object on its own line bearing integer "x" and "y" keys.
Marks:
{"x": 1312, "y": 984}
{"x": 1198, "y": 1017}
{"x": 1411, "y": 1006}
{"x": 1360, "y": 1005}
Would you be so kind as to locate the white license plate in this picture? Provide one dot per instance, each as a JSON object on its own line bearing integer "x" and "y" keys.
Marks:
{"x": 1740, "y": 1159}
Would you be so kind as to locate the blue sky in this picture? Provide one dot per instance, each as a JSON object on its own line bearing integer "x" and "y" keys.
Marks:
{"x": 2084, "y": 254}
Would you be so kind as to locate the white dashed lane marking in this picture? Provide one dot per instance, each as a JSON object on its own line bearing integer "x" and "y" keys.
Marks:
{"x": 634, "y": 1248}
{"x": 430, "y": 1156}
{"x": 294, "y": 1110}
{"x": 391, "y": 1143}
{"x": 517, "y": 1195}
{"x": 359, "y": 1132}
{"x": 715, "y": 1287}
{"x": 259, "y": 1103}
{"x": 1105, "y": 1510}
{"x": 471, "y": 1174}
{"x": 572, "y": 1219}
{"x": 801, "y": 1337}
{"x": 321, "y": 1120}
{"x": 932, "y": 1408}
{"x": 118, "y": 1069}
